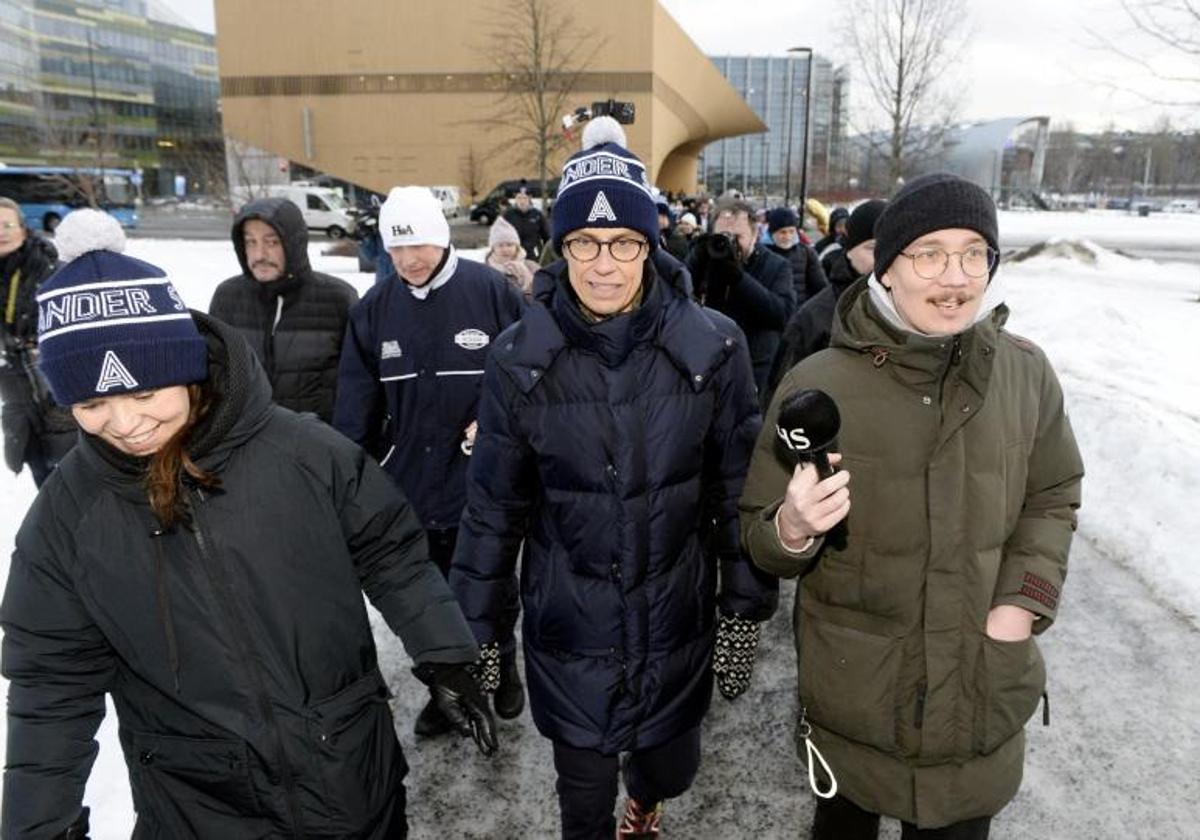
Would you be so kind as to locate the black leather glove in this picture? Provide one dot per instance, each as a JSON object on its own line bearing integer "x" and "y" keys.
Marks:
{"x": 487, "y": 669}
{"x": 734, "y": 654}
{"x": 458, "y": 697}
{"x": 77, "y": 830}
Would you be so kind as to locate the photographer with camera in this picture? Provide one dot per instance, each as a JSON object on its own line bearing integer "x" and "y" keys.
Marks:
{"x": 734, "y": 274}
{"x": 36, "y": 431}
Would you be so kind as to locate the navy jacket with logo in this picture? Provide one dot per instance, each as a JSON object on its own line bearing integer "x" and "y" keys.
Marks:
{"x": 408, "y": 383}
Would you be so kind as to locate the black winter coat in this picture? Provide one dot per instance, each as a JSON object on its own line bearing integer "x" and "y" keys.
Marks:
{"x": 617, "y": 451}
{"x": 409, "y": 380}
{"x": 28, "y": 411}
{"x": 531, "y": 227}
{"x": 237, "y": 649}
{"x": 809, "y": 330}
{"x": 295, "y": 324}
{"x": 808, "y": 277}
{"x": 760, "y": 302}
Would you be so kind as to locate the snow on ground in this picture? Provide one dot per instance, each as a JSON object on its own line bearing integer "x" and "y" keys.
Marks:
{"x": 1128, "y": 229}
{"x": 1120, "y": 758}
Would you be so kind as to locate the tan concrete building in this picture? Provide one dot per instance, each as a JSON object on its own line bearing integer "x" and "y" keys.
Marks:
{"x": 386, "y": 92}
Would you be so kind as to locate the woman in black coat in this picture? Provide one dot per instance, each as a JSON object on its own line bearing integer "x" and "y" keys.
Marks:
{"x": 615, "y": 427}
{"x": 202, "y": 556}
{"x": 36, "y": 431}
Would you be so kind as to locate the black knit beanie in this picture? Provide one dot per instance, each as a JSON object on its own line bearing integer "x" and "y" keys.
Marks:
{"x": 861, "y": 225}
{"x": 933, "y": 202}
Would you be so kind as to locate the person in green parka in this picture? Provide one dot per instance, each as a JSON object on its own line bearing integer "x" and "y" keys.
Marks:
{"x": 956, "y": 497}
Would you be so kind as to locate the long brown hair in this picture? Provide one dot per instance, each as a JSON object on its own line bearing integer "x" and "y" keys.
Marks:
{"x": 164, "y": 476}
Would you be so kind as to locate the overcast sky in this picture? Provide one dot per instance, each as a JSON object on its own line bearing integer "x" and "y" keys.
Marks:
{"x": 1026, "y": 57}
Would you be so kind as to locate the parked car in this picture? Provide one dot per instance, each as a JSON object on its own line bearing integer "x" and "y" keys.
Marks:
{"x": 1183, "y": 205}
{"x": 493, "y": 204}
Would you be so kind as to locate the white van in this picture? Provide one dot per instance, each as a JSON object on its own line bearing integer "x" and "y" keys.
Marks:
{"x": 323, "y": 208}
{"x": 449, "y": 198}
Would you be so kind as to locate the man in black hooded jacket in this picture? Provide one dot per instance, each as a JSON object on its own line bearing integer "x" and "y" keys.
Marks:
{"x": 293, "y": 317}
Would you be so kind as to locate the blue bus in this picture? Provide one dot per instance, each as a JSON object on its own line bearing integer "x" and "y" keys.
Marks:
{"x": 47, "y": 193}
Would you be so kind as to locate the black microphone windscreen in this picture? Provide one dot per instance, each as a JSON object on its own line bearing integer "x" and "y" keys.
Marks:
{"x": 808, "y": 422}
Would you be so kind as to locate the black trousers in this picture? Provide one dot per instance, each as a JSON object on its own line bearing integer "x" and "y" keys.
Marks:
{"x": 441, "y": 548}
{"x": 587, "y": 782}
{"x": 840, "y": 819}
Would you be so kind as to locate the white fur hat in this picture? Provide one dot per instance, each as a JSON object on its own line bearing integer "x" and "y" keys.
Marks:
{"x": 413, "y": 216}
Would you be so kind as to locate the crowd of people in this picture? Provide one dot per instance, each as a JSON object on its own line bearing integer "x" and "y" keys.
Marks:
{"x": 579, "y": 434}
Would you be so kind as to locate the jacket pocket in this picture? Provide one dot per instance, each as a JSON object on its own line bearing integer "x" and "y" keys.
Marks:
{"x": 1011, "y": 679}
{"x": 848, "y": 681}
{"x": 358, "y": 757}
{"x": 209, "y": 774}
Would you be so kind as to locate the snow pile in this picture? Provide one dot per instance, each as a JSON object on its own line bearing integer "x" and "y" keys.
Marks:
{"x": 1121, "y": 335}
{"x": 1102, "y": 226}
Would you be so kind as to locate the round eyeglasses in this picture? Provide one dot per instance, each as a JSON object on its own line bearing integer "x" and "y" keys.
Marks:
{"x": 931, "y": 263}
{"x": 621, "y": 250}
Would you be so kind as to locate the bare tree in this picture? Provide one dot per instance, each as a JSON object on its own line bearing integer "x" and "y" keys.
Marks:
{"x": 904, "y": 50}
{"x": 539, "y": 54}
{"x": 1065, "y": 153}
{"x": 471, "y": 171}
{"x": 250, "y": 172}
{"x": 1169, "y": 29}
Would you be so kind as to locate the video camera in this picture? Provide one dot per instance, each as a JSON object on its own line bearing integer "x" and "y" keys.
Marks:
{"x": 720, "y": 245}
{"x": 622, "y": 112}
{"x": 366, "y": 219}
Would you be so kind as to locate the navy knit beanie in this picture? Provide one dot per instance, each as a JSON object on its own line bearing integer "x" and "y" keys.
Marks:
{"x": 110, "y": 324}
{"x": 782, "y": 217}
{"x": 933, "y": 202}
{"x": 604, "y": 185}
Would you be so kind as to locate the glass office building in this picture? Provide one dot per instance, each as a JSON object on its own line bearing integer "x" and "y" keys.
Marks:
{"x": 776, "y": 88}
{"x": 113, "y": 83}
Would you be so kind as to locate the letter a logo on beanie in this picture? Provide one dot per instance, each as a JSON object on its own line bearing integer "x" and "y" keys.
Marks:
{"x": 601, "y": 209}
{"x": 113, "y": 373}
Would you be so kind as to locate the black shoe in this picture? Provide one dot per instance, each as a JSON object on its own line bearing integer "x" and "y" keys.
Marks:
{"x": 431, "y": 722}
{"x": 509, "y": 698}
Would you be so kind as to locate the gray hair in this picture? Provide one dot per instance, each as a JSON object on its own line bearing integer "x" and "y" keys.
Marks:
{"x": 9, "y": 204}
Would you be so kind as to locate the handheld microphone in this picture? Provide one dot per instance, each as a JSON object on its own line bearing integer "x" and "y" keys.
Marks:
{"x": 807, "y": 429}
{"x": 805, "y": 432}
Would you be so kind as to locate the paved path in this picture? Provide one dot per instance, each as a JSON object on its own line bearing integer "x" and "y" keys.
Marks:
{"x": 1121, "y": 758}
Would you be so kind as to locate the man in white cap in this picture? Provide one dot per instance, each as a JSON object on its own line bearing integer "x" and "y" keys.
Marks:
{"x": 408, "y": 385}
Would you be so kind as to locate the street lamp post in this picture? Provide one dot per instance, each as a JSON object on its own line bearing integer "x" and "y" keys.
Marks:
{"x": 807, "y": 131}
{"x": 787, "y": 175}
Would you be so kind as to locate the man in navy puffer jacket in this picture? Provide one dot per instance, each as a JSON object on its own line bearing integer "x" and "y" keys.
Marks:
{"x": 615, "y": 425}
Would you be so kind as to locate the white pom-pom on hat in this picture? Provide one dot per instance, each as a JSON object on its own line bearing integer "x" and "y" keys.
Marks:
{"x": 603, "y": 130}
{"x": 86, "y": 230}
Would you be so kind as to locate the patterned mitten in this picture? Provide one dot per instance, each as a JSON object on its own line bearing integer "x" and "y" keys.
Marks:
{"x": 733, "y": 658}
{"x": 487, "y": 669}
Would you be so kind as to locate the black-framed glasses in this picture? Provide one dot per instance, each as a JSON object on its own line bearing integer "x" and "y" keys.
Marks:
{"x": 622, "y": 250}
{"x": 931, "y": 263}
